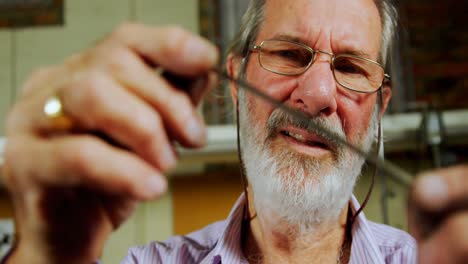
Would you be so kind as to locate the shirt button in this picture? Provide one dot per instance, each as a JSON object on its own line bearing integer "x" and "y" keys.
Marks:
{"x": 217, "y": 259}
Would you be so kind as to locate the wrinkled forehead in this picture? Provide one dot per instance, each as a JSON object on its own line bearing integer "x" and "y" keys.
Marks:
{"x": 335, "y": 25}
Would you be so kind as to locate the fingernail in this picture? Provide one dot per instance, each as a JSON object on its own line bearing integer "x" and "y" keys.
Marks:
{"x": 196, "y": 131}
{"x": 155, "y": 185}
{"x": 432, "y": 189}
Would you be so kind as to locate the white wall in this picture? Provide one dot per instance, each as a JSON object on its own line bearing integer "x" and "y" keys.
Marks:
{"x": 86, "y": 21}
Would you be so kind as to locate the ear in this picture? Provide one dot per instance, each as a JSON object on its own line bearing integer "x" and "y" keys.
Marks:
{"x": 386, "y": 95}
{"x": 232, "y": 67}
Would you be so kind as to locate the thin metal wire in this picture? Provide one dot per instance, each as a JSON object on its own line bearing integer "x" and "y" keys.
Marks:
{"x": 394, "y": 171}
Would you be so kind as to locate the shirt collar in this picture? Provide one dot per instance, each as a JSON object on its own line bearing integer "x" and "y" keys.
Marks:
{"x": 228, "y": 248}
{"x": 364, "y": 247}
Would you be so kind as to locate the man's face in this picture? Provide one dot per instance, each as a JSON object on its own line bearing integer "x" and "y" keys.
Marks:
{"x": 303, "y": 159}
{"x": 329, "y": 25}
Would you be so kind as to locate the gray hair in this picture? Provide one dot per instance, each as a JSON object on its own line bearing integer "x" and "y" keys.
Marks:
{"x": 254, "y": 16}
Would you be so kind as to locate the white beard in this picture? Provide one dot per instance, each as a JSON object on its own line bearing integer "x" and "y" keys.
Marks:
{"x": 291, "y": 187}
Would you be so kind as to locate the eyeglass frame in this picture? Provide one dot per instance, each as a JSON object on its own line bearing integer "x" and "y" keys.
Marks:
{"x": 257, "y": 48}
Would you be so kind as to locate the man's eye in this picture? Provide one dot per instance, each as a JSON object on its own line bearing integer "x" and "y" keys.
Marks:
{"x": 296, "y": 56}
{"x": 350, "y": 68}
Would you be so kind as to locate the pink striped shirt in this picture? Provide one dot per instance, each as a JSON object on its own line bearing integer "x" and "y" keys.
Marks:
{"x": 220, "y": 243}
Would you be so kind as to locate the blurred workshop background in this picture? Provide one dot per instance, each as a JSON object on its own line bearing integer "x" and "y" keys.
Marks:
{"x": 426, "y": 127}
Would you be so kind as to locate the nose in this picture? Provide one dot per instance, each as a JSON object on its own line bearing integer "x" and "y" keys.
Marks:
{"x": 316, "y": 91}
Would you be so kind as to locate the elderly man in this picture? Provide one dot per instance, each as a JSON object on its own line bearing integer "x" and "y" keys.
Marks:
{"x": 76, "y": 172}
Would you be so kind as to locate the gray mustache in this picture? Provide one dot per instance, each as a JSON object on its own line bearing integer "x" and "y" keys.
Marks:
{"x": 280, "y": 119}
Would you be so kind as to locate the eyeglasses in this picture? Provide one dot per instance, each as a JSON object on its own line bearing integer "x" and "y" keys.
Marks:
{"x": 350, "y": 71}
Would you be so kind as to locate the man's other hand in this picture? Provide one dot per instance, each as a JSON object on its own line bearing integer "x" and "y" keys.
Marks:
{"x": 71, "y": 188}
{"x": 438, "y": 211}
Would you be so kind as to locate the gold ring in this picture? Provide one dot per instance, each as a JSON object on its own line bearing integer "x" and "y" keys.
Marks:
{"x": 54, "y": 111}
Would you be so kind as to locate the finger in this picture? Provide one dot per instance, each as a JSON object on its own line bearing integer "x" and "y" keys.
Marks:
{"x": 449, "y": 244}
{"x": 171, "y": 47}
{"x": 174, "y": 105}
{"x": 436, "y": 190}
{"x": 434, "y": 197}
{"x": 40, "y": 76}
{"x": 82, "y": 161}
{"x": 198, "y": 86}
{"x": 46, "y": 79}
{"x": 99, "y": 103}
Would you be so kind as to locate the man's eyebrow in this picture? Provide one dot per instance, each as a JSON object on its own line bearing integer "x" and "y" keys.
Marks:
{"x": 355, "y": 52}
{"x": 348, "y": 50}
{"x": 289, "y": 38}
